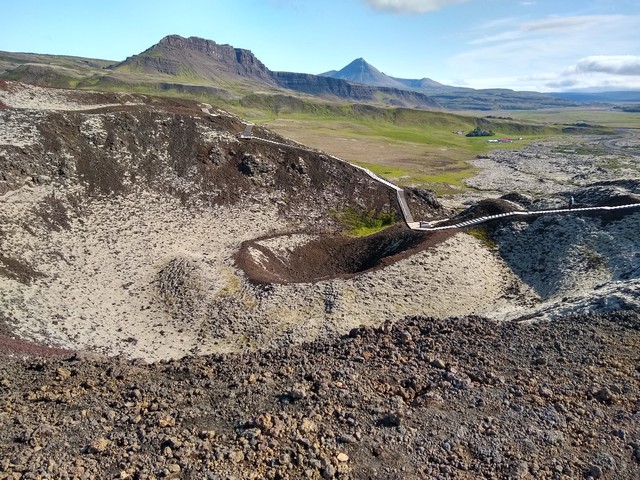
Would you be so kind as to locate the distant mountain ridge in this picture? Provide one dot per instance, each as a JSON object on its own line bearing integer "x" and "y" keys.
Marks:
{"x": 318, "y": 85}
{"x": 203, "y": 67}
{"x": 196, "y": 60}
{"x": 624, "y": 96}
{"x": 360, "y": 71}
{"x": 450, "y": 97}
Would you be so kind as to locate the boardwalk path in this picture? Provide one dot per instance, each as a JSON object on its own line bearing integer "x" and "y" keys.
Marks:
{"x": 431, "y": 226}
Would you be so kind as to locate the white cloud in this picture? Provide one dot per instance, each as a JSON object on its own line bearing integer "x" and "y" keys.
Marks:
{"x": 615, "y": 65}
{"x": 411, "y": 6}
{"x": 600, "y": 71}
{"x": 553, "y": 53}
{"x": 565, "y": 26}
{"x": 593, "y": 81}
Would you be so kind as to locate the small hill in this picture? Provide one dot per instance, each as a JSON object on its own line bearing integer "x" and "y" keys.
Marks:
{"x": 423, "y": 83}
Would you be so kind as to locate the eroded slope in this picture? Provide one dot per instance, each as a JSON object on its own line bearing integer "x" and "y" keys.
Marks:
{"x": 122, "y": 217}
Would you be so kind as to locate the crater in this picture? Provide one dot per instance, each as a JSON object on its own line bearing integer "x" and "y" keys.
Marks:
{"x": 305, "y": 258}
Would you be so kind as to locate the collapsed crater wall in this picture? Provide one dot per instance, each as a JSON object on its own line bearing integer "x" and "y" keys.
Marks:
{"x": 120, "y": 223}
{"x": 309, "y": 259}
{"x": 121, "y": 226}
{"x": 576, "y": 263}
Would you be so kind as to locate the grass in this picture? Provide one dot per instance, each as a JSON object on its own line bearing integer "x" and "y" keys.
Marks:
{"x": 482, "y": 234}
{"x": 604, "y": 116}
{"x": 620, "y": 164}
{"x": 409, "y": 147}
{"x": 592, "y": 259}
{"x": 134, "y": 72}
{"x": 444, "y": 180}
{"x": 361, "y": 223}
{"x": 581, "y": 149}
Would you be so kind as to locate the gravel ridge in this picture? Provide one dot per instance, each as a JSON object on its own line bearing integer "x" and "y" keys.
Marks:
{"x": 424, "y": 398}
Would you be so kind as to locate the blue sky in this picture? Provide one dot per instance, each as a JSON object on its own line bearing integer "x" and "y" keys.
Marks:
{"x": 544, "y": 45}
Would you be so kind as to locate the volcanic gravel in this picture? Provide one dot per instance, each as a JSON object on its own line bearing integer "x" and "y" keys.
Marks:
{"x": 424, "y": 398}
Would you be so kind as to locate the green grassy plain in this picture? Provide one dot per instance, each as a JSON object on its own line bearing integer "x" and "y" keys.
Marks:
{"x": 418, "y": 147}
{"x": 607, "y": 117}
{"x": 361, "y": 223}
{"x": 409, "y": 147}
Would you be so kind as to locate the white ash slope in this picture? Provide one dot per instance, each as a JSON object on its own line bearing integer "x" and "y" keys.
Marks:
{"x": 146, "y": 277}
{"x": 576, "y": 264}
{"x": 112, "y": 241}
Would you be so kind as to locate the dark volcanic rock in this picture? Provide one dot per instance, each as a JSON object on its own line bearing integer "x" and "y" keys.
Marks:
{"x": 368, "y": 405}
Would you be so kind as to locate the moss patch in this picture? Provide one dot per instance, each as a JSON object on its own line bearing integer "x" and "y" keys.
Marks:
{"x": 360, "y": 223}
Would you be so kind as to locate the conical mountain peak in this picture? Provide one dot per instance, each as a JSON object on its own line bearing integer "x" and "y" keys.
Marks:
{"x": 360, "y": 71}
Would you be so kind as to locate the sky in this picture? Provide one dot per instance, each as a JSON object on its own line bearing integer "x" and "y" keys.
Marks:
{"x": 541, "y": 45}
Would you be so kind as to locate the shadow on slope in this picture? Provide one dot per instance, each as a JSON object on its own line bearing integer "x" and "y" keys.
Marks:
{"x": 568, "y": 255}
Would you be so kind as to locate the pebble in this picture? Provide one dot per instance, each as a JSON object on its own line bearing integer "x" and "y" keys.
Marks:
{"x": 605, "y": 395}
{"x": 166, "y": 421}
{"x": 595, "y": 472}
{"x": 297, "y": 393}
{"x": 99, "y": 445}
{"x": 347, "y": 439}
{"x": 438, "y": 363}
{"x": 405, "y": 337}
{"x": 328, "y": 472}
{"x": 236, "y": 456}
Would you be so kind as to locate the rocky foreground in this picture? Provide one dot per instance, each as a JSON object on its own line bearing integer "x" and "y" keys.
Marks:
{"x": 459, "y": 398}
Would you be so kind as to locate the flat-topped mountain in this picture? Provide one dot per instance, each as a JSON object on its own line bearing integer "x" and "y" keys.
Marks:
{"x": 196, "y": 60}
